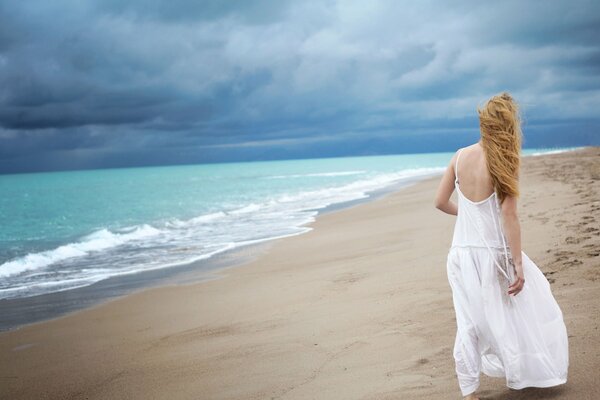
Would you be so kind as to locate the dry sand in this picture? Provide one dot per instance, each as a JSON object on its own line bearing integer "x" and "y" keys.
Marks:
{"x": 358, "y": 308}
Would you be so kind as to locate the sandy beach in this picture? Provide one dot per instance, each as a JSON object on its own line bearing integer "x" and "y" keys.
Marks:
{"x": 358, "y": 308}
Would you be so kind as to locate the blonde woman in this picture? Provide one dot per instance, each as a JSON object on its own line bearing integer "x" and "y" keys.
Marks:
{"x": 508, "y": 322}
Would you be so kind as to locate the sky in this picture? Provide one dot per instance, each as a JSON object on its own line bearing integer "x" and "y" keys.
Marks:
{"x": 119, "y": 83}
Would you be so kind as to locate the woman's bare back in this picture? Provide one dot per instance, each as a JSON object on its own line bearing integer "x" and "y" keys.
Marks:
{"x": 473, "y": 176}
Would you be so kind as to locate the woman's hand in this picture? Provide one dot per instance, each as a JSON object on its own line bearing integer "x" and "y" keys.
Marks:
{"x": 512, "y": 229}
{"x": 517, "y": 285}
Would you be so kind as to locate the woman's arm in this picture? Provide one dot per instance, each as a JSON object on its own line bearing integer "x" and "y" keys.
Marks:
{"x": 445, "y": 189}
{"x": 512, "y": 230}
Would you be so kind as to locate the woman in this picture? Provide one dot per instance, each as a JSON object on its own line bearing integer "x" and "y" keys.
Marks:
{"x": 508, "y": 323}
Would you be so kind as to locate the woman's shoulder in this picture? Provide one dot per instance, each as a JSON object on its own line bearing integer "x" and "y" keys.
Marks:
{"x": 474, "y": 146}
{"x": 466, "y": 149}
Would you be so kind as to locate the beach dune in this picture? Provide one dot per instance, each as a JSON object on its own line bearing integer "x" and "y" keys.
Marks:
{"x": 358, "y": 308}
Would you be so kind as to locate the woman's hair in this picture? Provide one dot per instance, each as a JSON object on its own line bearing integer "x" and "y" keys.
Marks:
{"x": 501, "y": 136}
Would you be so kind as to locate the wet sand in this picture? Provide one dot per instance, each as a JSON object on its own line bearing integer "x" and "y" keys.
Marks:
{"x": 358, "y": 308}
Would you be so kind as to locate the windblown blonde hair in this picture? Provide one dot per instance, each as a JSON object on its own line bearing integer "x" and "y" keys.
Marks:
{"x": 501, "y": 137}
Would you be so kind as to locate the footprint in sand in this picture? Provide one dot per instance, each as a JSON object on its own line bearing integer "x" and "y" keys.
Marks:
{"x": 573, "y": 240}
{"x": 564, "y": 253}
{"x": 573, "y": 262}
{"x": 547, "y": 275}
{"x": 592, "y": 275}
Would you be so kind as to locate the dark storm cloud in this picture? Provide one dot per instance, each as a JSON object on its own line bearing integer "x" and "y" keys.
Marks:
{"x": 111, "y": 83}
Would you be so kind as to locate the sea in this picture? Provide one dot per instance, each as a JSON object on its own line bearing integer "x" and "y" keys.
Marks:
{"x": 65, "y": 230}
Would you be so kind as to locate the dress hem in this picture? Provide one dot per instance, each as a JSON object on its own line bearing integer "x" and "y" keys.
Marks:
{"x": 543, "y": 384}
{"x": 470, "y": 389}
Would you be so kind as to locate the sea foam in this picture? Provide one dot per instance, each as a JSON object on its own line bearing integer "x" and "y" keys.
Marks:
{"x": 96, "y": 241}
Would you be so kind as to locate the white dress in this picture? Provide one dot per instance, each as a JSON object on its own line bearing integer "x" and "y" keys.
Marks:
{"x": 521, "y": 338}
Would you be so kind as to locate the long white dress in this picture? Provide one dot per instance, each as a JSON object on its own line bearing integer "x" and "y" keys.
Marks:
{"x": 522, "y": 338}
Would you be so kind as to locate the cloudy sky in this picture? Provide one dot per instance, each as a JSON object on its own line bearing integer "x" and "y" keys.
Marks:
{"x": 87, "y": 84}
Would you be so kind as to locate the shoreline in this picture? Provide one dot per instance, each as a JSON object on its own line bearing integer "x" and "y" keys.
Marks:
{"x": 358, "y": 307}
{"x": 19, "y": 312}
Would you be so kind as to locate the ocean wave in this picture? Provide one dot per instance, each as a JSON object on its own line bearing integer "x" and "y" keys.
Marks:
{"x": 246, "y": 209}
{"x": 558, "y": 151}
{"x": 341, "y": 173}
{"x": 358, "y": 189}
{"x": 177, "y": 223}
{"x": 96, "y": 241}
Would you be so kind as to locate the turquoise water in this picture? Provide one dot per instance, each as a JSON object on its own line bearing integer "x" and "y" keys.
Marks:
{"x": 63, "y": 230}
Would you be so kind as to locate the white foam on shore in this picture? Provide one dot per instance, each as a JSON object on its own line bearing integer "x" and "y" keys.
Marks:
{"x": 557, "y": 151}
{"x": 317, "y": 174}
{"x": 96, "y": 241}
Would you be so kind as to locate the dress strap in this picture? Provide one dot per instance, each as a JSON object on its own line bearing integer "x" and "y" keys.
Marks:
{"x": 456, "y": 167}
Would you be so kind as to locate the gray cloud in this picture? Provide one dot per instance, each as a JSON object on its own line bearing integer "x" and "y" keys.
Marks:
{"x": 100, "y": 80}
